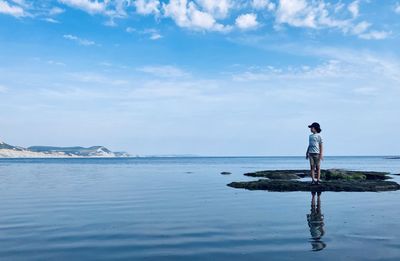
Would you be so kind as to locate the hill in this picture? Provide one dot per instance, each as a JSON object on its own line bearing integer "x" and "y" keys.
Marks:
{"x": 10, "y": 151}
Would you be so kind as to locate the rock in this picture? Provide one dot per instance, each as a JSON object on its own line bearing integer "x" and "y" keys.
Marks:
{"x": 278, "y": 174}
{"x": 329, "y": 174}
{"x": 333, "y": 180}
{"x": 225, "y": 173}
{"x": 336, "y": 174}
{"x": 334, "y": 185}
{"x": 340, "y": 174}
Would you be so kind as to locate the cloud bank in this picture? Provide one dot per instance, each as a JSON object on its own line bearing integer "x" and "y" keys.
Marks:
{"x": 217, "y": 16}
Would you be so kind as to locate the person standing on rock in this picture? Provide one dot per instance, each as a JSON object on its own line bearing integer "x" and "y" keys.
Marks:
{"x": 315, "y": 152}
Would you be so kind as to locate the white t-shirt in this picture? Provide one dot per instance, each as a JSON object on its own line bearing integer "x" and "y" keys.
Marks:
{"x": 314, "y": 141}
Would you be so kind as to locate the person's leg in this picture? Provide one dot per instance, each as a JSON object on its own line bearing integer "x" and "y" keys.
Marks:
{"x": 312, "y": 167}
{"x": 318, "y": 173}
{"x": 318, "y": 166}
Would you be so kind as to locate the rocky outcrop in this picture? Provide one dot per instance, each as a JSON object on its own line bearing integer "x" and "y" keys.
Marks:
{"x": 279, "y": 174}
{"x": 333, "y": 180}
{"x": 329, "y": 174}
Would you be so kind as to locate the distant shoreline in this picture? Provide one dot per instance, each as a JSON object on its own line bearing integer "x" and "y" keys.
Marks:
{"x": 181, "y": 157}
{"x": 11, "y": 151}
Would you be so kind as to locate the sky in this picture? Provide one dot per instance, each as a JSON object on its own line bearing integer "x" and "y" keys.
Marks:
{"x": 201, "y": 77}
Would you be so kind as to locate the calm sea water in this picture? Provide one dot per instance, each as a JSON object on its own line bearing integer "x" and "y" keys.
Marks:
{"x": 181, "y": 209}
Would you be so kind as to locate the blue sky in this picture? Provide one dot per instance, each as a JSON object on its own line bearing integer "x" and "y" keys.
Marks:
{"x": 203, "y": 77}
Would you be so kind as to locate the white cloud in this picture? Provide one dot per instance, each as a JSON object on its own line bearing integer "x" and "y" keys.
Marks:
{"x": 130, "y": 30}
{"x": 212, "y": 15}
{"x": 196, "y": 15}
{"x": 153, "y": 34}
{"x": 177, "y": 10}
{"x": 363, "y": 61}
{"x": 339, "y": 7}
{"x": 330, "y": 69}
{"x": 360, "y": 27}
{"x": 164, "y": 71}
{"x": 397, "y": 8}
{"x": 80, "y": 41}
{"x": 110, "y": 8}
{"x": 318, "y": 14}
{"x": 296, "y": 13}
{"x": 362, "y": 30}
{"x": 346, "y": 75}
{"x": 263, "y": 4}
{"x": 110, "y": 23}
{"x": 51, "y": 20}
{"x": 247, "y": 21}
{"x": 354, "y": 8}
{"x": 315, "y": 14}
{"x": 32, "y": 9}
{"x": 51, "y": 62}
{"x": 147, "y": 7}
{"x": 86, "y": 5}
{"x": 56, "y": 11}
{"x": 375, "y": 35}
{"x": 218, "y": 8}
{"x": 21, "y": 3}
{"x": 201, "y": 19}
{"x": 186, "y": 14}
{"x": 13, "y": 10}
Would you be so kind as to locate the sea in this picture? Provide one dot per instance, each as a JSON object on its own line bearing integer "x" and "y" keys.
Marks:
{"x": 182, "y": 209}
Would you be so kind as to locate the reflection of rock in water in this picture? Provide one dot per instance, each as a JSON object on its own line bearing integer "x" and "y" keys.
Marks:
{"x": 316, "y": 223}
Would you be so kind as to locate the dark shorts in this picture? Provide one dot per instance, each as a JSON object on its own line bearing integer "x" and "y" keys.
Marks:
{"x": 315, "y": 160}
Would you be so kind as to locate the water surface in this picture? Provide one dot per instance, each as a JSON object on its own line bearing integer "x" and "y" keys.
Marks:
{"x": 181, "y": 209}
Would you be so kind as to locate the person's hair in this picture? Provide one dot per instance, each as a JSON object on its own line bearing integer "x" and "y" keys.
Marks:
{"x": 318, "y": 129}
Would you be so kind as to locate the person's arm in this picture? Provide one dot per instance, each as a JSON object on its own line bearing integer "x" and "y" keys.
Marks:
{"x": 307, "y": 152}
{"x": 321, "y": 151}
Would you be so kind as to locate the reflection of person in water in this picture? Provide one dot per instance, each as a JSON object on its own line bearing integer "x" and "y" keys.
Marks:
{"x": 316, "y": 223}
